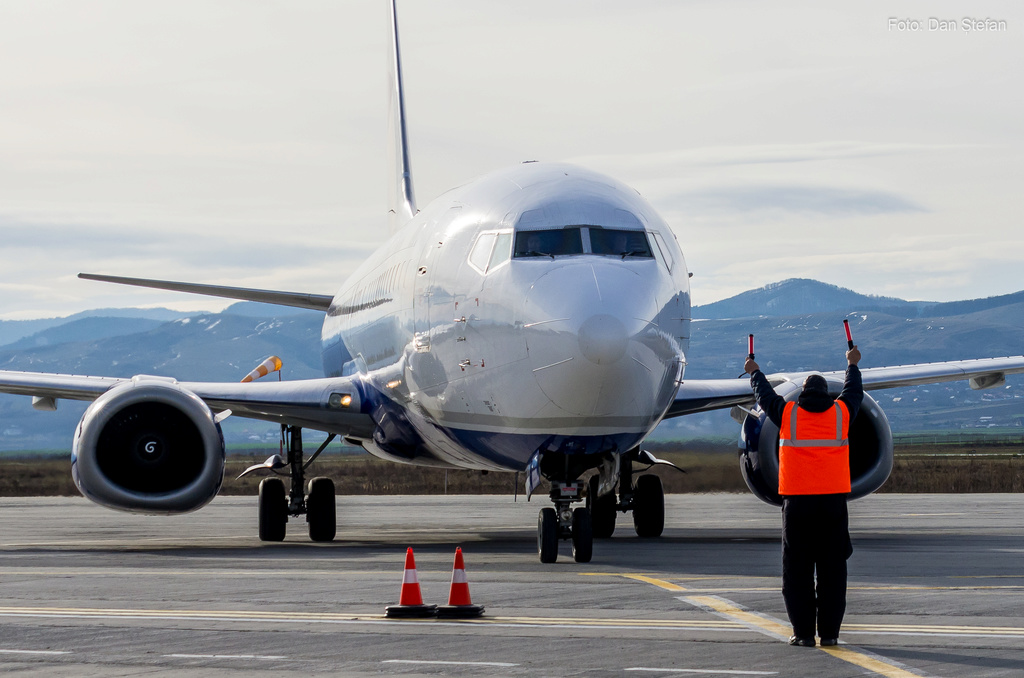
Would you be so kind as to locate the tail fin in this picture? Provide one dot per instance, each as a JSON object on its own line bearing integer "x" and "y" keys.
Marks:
{"x": 401, "y": 202}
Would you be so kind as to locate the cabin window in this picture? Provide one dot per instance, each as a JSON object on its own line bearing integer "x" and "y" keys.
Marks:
{"x": 549, "y": 243}
{"x": 619, "y": 242}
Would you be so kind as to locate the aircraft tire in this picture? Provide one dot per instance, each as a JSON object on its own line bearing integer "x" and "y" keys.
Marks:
{"x": 547, "y": 535}
{"x": 582, "y": 536}
{"x": 602, "y": 510}
{"x": 320, "y": 510}
{"x": 649, "y": 506}
{"x": 273, "y": 510}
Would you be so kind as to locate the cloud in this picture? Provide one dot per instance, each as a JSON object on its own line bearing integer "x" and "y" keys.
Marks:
{"x": 808, "y": 200}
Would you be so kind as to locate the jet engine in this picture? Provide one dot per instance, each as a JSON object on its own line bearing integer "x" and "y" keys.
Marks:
{"x": 870, "y": 448}
{"x": 148, "y": 446}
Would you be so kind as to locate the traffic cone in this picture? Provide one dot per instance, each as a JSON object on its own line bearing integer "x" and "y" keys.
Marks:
{"x": 459, "y": 605}
{"x": 410, "y": 602}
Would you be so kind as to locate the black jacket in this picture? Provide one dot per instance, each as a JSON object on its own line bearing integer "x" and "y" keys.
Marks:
{"x": 813, "y": 401}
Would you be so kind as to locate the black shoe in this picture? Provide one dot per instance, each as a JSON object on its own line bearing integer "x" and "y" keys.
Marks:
{"x": 829, "y": 642}
{"x": 801, "y": 642}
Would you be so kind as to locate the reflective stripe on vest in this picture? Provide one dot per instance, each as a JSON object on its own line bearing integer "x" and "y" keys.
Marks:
{"x": 838, "y": 441}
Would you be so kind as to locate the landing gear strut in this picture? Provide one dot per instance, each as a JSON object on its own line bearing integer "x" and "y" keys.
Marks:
{"x": 315, "y": 500}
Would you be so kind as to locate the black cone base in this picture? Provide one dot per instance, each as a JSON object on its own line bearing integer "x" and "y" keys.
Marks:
{"x": 459, "y": 611}
{"x": 410, "y": 611}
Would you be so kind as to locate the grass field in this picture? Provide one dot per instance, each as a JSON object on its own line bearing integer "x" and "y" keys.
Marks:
{"x": 711, "y": 467}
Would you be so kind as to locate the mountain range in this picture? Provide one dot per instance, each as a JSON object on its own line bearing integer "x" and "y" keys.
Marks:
{"x": 797, "y": 324}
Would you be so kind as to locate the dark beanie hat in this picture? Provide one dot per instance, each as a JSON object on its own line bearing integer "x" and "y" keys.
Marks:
{"x": 816, "y": 382}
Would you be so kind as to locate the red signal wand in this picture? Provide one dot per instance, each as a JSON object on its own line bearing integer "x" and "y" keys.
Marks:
{"x": 750, "y": 351}
{"x": 849, "y": 337}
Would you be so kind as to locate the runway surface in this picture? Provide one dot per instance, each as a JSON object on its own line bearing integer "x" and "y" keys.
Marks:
{"x": 936, "y": 589}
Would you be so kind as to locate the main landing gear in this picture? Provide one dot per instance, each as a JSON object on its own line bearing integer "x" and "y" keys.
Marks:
{"x": 645, "y": 498}
{"x": 315, "y": 500}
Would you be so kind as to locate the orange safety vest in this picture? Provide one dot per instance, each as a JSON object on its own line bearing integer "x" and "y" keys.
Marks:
{"x": 814, "y": 451}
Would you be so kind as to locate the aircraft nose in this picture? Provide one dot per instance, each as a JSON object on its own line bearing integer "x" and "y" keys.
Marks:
{"x": 593, "y": 344}
{"x": 603, "y": 339}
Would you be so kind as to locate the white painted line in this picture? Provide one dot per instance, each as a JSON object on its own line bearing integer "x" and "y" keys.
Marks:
{"x": 707, "y": 672}
{"x": 437, "y": 663}
{"x": 258, "y": 657}
{"x": 929, "y": 634}
{"x": 208, "y": 616}
{"x": 42, "y": 652}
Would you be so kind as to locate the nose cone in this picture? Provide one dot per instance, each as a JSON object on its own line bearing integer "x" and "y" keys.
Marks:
{"x": 603, "y": 339}
{"x": 594, "y": 347}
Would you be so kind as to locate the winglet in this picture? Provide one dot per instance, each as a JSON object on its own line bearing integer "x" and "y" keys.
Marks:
{"x": 401, "y": 202}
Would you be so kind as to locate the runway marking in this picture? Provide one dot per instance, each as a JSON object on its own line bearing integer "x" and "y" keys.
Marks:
{"x": 734, "y": 619}
{"x": 748, "y": 589}
{"x": 452, "y": 663}
{"x": 937, "y": 630}
{"x": 660, "y": 583}
{"x": 365, "y": 619}
{"x": 772, "y": 627}
{"x": 775, "y": 628}
{"x": 258, "y": 657}
{"x": 37, "y": 652}
{"x": 707, "y": 672}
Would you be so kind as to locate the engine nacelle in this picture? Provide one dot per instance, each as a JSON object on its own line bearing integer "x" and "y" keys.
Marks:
{"x": 148, "y": 446}
{"x": 871, "y": 448}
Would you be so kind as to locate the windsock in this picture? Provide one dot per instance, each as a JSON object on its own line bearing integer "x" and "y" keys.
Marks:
{"x": 271, "y": 364}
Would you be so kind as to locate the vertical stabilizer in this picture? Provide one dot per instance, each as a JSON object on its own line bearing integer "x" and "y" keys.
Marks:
{"x": 401, "y": 202}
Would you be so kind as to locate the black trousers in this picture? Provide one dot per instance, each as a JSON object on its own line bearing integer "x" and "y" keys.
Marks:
{"x": 815, "y": 541}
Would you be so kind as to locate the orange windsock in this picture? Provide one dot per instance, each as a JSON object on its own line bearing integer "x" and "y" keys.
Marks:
{"x": 459, "y": 603}
{"x": 410, "y": 601}
{"x": 271, "y": 364}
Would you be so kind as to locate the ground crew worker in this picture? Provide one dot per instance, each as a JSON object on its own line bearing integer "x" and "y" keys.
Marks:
{"x": 814, "y": 482}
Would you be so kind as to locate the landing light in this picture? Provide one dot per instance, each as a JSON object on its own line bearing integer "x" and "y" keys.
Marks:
{"x": 340, "y": 400}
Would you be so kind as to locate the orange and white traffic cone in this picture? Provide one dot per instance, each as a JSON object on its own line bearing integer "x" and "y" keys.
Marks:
{"x": 459, "y": 604}
{"x": 410, "y": 602}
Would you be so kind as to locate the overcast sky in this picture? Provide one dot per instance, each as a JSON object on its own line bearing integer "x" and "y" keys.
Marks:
{"x": 243, "y": 143}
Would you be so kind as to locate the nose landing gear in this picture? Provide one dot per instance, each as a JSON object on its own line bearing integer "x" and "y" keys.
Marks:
{"x": 565, "y": 523}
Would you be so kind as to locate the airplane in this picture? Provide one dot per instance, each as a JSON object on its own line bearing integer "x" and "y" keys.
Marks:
{"x": 536, "y": 320}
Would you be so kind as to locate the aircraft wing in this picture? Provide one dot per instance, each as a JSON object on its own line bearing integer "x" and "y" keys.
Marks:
{"x": 714, "y": 394}
{"x": 310, "y": 403}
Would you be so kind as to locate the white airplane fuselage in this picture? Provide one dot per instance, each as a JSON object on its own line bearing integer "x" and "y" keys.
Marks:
{"x": 539, "y": 308}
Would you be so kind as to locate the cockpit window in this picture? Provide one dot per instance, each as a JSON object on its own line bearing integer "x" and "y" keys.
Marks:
{"x": 549, "y": 243}
{"x": 490, "y": 250}
{"x": 619, "y": 242}
{"x": 481, "y": 252}
{"x": 502, "y": 250}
